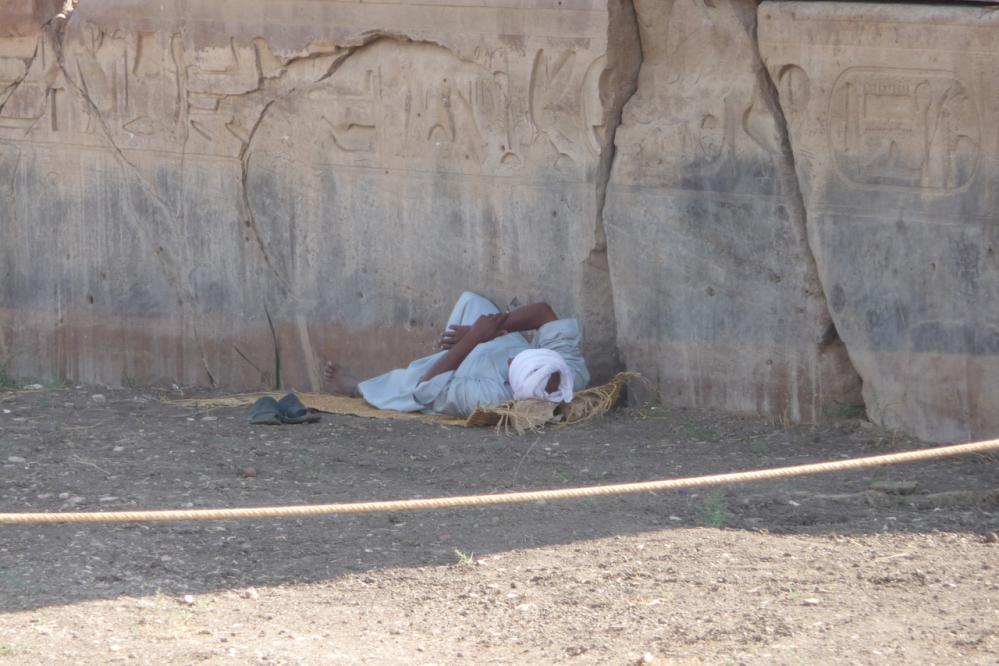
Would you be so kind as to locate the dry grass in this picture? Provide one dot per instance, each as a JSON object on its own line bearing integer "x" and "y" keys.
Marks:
{"x": 531, "y": 415}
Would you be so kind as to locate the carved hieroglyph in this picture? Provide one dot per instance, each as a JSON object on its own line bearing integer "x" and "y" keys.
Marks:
{"x": 178, "y": 169}
{"x": 893, "y": 114}
{"x": 715, "y": 288}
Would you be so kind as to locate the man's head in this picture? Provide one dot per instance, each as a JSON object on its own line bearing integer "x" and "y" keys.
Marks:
{"x": 540, "y": 374}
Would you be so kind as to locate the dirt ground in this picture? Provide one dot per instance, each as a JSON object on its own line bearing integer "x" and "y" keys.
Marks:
{"x": 890, "y": 565}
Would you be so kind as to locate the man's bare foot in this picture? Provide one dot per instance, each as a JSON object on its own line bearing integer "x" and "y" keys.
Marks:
{"x": 340, "y": 381}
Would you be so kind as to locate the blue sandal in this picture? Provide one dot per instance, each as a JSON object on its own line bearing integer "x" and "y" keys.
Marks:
{"x": 293, "y": 411}
{"x": 265, "y": 411}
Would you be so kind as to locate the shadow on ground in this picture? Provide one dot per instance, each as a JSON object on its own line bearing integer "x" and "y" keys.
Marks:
{"x": 62, "y": 450}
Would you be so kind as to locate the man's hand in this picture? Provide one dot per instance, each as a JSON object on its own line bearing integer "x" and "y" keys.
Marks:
{"x": 453, "y": 336}
{"x": 485, "y": 328}
{"x": 488, "y": 327}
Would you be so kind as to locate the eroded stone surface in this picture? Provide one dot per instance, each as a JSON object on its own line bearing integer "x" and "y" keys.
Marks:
{"x": 893, "y": 113}
{"x": 715, "y": 290}
{"x": 173, "y": 174}
{"x": 184, "y": 167}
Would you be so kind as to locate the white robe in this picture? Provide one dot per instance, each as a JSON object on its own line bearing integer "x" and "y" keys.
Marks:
{"x": 482, "y": 378}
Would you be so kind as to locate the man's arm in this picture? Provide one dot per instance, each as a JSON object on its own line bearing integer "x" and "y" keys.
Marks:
{"x": 529, "y": 317}
{"x": 525, "y": 318}
{"x": 484, "y": 329}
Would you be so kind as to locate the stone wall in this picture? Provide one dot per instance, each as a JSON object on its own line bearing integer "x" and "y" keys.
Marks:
{"x": 757, "y": 207}
{"x": 180, "y": 171}
{"x": 716, "y": 291}
{"x": 893, "y": 114}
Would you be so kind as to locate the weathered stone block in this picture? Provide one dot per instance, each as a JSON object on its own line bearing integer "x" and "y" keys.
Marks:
{"x": 715, "y": 290}
{"x": 177, "y": 169}
{"x": 893, "y": 113}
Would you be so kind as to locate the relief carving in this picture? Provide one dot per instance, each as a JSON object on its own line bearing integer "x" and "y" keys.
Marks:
{"x": 697, "y": 85}
{"x": 420, "y": 107}
{"x": 28, "y": 70}
{"x": 499, "y": 113}
{"x": 901, "y": 128}
{"x": 133, "y": 82}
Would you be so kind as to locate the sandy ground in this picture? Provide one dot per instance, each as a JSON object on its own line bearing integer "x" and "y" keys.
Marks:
{"x": 890, "y": 565}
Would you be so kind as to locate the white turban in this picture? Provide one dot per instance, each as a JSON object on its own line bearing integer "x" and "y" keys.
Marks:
{"x": 530, "y": 371}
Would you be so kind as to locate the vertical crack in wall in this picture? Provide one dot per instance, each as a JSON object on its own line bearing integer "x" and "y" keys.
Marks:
{"x": 618, "y": 84}
{"x": 794, "y": 197}
{"x": 249, "y": 217}
{"x": 244, "y": 199}
{"x": 56, "y": 29}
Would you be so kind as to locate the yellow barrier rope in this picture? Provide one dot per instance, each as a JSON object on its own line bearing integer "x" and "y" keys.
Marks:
{"x": 507, "y": 498}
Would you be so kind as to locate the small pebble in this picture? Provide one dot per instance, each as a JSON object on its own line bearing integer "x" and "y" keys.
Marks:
{"x": 810, "y": 601}
{"x": 992, "y": 537}
{"x": 249, "y": 472}
{"x": 33, "y": 387}
{"x": 16, "y": 459}
{"x": 250, "y": 593}
{"x": 209, "y": 418}
{"x": 188, "y": 599}
{"x": 98, "y": 398}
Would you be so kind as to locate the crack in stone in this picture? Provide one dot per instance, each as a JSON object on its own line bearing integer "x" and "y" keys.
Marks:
{"x": 363, "y": 41}
{"x": 13, "y": 86}
{"x": 249, "y": 216}
{"x": 43, "y": 30}
{"x": 626, "y": 19}
{"x": 172, "y": 270}
{"x": 791, "y": 187}
{"x": 244, "y": 199}
{"x": 148, "y": 187}
{"x": 271, "y": 89}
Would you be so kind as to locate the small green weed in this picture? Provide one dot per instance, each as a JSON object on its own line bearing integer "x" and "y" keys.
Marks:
{"x": 693, "y": 432}
{"x": 713, "y": 511}
{"x": 467, "y": 559}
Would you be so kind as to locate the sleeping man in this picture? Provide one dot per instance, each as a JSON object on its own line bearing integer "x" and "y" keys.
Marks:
{"x": 485, "y": 361}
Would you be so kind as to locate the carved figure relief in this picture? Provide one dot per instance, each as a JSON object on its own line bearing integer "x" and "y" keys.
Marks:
{"x": 698, "y": 81}
{"x": 27, "y": 73}
{"x": 134, "y": 82}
